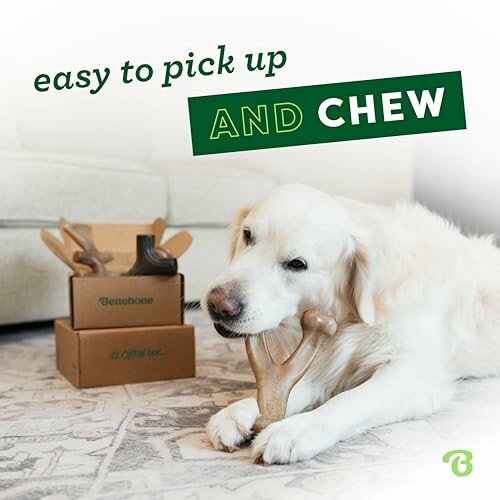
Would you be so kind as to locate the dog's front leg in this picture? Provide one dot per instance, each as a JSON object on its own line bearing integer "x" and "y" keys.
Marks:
{"x": 396, "y": 392}
{"x": 232, "y": 426}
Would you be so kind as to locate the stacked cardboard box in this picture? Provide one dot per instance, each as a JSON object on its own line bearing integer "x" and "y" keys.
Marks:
{"x": 122, "y": 329}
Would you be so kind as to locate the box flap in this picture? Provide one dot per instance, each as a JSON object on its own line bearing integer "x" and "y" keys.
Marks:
{"x": 118, "y": 239}
{"x": 61, "y": 252}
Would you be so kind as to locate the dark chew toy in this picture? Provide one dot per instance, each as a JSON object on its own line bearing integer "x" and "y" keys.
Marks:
{"x": 151, "y": 262}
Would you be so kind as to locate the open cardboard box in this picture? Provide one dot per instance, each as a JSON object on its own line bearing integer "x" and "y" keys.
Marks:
{"x": 117, "y": 300}
{"x": 95, "y": 358}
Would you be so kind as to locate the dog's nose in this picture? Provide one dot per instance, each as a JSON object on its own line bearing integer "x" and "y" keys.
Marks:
{"x": 223, "y": 305}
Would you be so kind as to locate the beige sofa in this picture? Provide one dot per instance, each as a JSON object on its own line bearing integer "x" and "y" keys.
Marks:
{"x": 200, "y": 196}
{"x": 36, "y": 189}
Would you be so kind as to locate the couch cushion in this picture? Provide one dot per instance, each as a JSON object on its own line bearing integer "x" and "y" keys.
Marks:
{"x": 208, "y": 195}
{"x": 36, "y": 189}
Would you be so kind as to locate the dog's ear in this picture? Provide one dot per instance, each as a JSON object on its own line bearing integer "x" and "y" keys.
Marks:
{"x": 363, "y": 282}
{"x": 236, "y": 227}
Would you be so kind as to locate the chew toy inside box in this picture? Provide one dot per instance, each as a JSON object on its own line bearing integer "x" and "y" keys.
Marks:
{"x": 121, "y": 278}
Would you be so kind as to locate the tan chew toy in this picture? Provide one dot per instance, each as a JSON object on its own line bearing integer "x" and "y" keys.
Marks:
{"x": 81, "y": 235}
{"x": 90, "y": 260}
{"x": 60, "y": 251}
{"x": 275, "y": 381}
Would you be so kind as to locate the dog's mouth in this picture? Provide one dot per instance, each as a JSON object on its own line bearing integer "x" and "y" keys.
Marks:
{"x": 226, "y": 332}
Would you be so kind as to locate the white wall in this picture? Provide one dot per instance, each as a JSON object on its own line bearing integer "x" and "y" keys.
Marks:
{"x": 458, "y": 174}
{"x": 327, "y": 42}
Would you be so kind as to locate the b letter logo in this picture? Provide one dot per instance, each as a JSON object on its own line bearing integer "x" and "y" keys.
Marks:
{"x": 461, "y": 462}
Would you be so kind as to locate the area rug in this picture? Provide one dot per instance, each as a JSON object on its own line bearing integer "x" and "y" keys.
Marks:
{"x": 147, "y": 441}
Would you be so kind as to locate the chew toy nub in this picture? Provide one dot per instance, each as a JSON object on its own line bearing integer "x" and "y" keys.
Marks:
{"x": 81, "y": 235}
{"x": 275, "y": 381}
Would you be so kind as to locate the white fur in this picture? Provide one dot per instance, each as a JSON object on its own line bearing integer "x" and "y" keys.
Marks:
{"x": 428, "y": 300}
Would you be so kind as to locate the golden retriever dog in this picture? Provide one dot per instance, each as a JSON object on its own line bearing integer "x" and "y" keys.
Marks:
{"x": 416, "y": 301}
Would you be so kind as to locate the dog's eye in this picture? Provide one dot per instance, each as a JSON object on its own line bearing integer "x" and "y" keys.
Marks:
{"x": 247, "y": 236}
{"x": 296, "y": 265}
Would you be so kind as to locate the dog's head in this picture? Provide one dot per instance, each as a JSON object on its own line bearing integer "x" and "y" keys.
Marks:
{"x": 294, "y": 250}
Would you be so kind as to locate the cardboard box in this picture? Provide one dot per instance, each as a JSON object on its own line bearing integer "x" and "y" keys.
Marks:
{"x": 94, "y": 358}
{"x": 126, "y": 301}
{"x": 119, "y": 300}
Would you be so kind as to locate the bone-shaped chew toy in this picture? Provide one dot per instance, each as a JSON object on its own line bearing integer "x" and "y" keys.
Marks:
{"x": 98, "y": 267}
{"x": 80, "y": 234}
{"x": 275, "y": 381}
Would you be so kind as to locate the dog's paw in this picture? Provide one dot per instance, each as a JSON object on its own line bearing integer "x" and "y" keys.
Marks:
{"x": 232, "y": 426}
{"x": 291, "y": 440}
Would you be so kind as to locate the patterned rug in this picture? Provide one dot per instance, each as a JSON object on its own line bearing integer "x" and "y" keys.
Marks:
{"x": 148, "y": 441}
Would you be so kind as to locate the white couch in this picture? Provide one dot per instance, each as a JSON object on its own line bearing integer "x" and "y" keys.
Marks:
{"x": 36, "y": 189}
{"x": 71, "y": 151}
{"x": 200, "y": 196}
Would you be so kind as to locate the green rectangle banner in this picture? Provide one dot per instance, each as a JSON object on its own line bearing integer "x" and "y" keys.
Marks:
{"x": 327, "y": 113}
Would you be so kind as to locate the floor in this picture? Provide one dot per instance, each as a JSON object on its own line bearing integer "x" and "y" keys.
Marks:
{"x": 147, "y": 440}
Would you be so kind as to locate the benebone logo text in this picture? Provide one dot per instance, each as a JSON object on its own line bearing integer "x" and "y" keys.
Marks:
{"x": 125, "y": 301}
